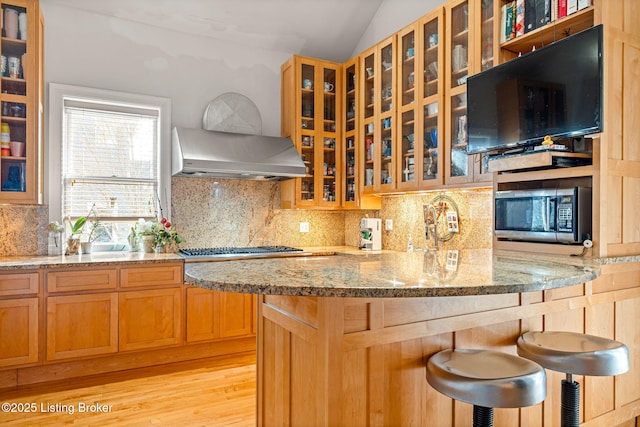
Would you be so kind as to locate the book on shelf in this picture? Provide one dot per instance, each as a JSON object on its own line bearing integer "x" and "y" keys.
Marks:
{"x": 582, "y": 4}
{"x": 562, "y": 8}
{"x": 543, "y": 12}
{"x": 529, "y": 15}
{"x": 519, "y": 18}
{"x": 572, "y": 6}
{"x": 509, "y": 18}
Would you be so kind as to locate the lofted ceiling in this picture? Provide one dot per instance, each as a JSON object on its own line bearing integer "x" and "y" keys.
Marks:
{"x": 328, "y": 29}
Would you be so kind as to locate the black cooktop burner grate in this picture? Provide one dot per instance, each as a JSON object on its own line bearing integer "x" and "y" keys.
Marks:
{"x": 222, "y": 251}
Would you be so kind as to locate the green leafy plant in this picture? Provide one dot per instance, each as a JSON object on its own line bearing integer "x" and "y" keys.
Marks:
{"x": 162, "y": 233}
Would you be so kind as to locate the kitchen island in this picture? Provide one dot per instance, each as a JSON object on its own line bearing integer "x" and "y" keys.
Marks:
{"x": 343, "y": 340}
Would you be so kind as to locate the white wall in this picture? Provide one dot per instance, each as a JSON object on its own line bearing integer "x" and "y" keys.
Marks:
{"x": 93, "y": 50}
{"x": 393, "y": 15}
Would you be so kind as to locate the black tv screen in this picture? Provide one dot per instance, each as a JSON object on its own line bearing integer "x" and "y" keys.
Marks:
{"x": 555, "y": 90}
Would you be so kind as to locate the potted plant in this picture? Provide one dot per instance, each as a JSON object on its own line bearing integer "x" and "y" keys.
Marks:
{"x": 87, "y": 247}
{"x": 157, "y": 236}
{"x": 73, "y": 242}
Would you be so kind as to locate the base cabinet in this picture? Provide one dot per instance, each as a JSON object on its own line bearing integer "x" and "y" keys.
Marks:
{"x": 82, "y": 325}
{"x": 58, "y": 323}
{"x": 150, "y": 318}
{"x": 212, "y": 315}
{"x": 19, "y": 331}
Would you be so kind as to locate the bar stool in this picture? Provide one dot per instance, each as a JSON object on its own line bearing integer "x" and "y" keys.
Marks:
{"x": 574, "y": 353}
{"x": 487, "y": 379}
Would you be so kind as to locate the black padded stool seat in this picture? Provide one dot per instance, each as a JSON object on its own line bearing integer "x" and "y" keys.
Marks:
{"x": 574, "y": 353}
{"x": 487, "y": 379}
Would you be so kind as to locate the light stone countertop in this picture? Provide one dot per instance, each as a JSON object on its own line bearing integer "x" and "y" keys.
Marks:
{"x": 353, "y": 273}
{"x": 88, "y": 260}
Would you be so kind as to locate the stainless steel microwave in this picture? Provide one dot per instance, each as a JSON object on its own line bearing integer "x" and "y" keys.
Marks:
{"x": 560, "y": 215}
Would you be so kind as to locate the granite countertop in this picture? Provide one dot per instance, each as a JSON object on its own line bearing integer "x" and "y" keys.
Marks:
{"x": 352, "y": 273}
{"x": 88, "y": 260}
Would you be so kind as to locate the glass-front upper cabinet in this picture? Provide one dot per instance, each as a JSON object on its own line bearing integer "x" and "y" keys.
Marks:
{"x": 458, "y": 165}
{"x": 350, "y": 190}
{"x": 368, "y": 85}
{"x": 432, "y": 105}
{"x": 407, "y": 95}
{"x": 385, "y": 168}
{"x": 310, "y": 112}
{"x": 21, "y": 99}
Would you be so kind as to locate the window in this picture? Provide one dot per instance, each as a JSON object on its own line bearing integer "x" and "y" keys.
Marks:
{"x": 114, "y": 157}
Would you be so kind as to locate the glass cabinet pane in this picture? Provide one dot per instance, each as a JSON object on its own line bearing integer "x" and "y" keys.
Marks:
{"x": 369, "y": 87}
{"x": 350, "y": 110}
{"x": 386, "y": 83}
{"x": 329, "y": 170}
{"x": 408, "y": 69}
{"x": 459, "y": 44}
{"x": 368, "y": 150}
{"x": 459, "y": 157}
{"x": 430, "y": 142}
{"x": 329, "y": 113}
{"x": 308, "y": 157}
{"x": 386, "y": 151}
{"x": 308, "y": 97}
{"x": 486, "y": 35}
{"x": 430, "y": 58}
{"x": 350, "y": 172}
{"x": 13, "y": 176}
{"x": 408, "y": 147}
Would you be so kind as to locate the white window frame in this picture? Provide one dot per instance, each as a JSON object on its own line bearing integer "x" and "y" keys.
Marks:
{"x": 53, "y": 146}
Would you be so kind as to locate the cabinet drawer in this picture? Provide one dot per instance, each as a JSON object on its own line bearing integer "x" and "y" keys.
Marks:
{"x": 157, "y": 275}
{"x": 18, "y": 284}
{"x": 82, "y": 280}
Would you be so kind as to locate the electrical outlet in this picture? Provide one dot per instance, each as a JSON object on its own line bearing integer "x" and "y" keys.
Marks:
{"x": 388, "y": 224}
{"x": 304, "y": 227}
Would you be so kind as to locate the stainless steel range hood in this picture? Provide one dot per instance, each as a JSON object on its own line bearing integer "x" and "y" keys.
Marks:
{"x": 215, "y": 154}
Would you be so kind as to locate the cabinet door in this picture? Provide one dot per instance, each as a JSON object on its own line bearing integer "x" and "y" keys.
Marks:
{"x": 150, "y": 318}
{"x": 458, "y": 165}
{"x": 328, "y": 152}
{"x": 21, "y": 101}
{"x": 236, "y": 314}
{"x": 212, "y": 315}
{"x": 367, "y": 136}
{"x": 385, "y": 170}
{"x": 82, "y": 325}
{"x": 407, "y": 119}
{"x": 350, "y": 189}
{"x": 19, "y": 331}
{"x": 430, "y": 126}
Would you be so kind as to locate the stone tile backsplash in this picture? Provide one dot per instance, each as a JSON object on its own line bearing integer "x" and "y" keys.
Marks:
{"x": 211, "y": 212}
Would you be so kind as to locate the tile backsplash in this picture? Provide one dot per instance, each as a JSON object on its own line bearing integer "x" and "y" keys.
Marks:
{"x": 210, "y": 212}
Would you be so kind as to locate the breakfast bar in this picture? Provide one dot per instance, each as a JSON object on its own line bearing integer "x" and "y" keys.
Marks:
{"x": 344, "y": 337}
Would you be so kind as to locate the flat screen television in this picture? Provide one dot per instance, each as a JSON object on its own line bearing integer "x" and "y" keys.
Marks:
{"x": 555, "y": 90}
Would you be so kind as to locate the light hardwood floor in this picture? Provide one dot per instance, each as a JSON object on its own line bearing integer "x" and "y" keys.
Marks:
{"x": 216, "y": 392}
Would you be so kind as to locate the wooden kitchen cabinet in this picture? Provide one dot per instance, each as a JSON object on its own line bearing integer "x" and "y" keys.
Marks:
{"x": 469, "y": 49}
{"x": 19, "y": 318}
{"x": 82, "y": 325}
{"x": 213, "y": 315}
{"x": 420, "y": 122}
{"x": 21, "y": 102}
{"x": 377, "y": 117}
{"x": 311, "y": 113}
{"x": 150, "y": 318}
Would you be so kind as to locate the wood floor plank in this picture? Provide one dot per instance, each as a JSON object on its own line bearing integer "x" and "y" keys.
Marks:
{"x": 219, "y": 391}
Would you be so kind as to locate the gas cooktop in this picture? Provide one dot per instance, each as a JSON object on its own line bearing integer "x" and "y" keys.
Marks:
{"x": 228, "y": 253}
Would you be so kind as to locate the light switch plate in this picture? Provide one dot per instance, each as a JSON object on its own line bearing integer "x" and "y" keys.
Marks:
{"x": 304, "y": 227}
{"x": 388, "y": 224}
